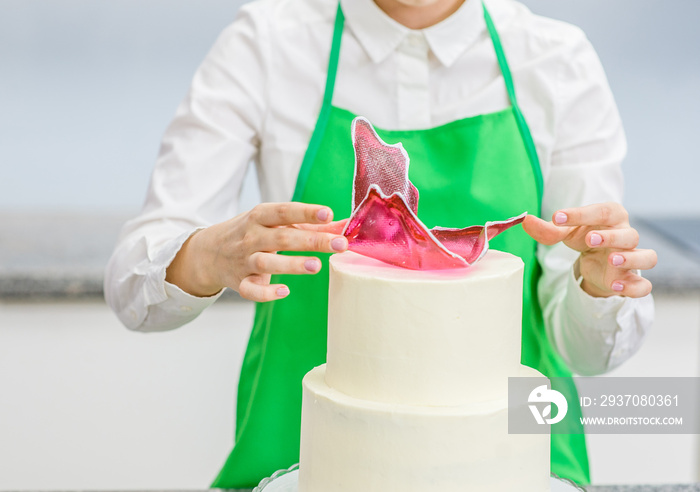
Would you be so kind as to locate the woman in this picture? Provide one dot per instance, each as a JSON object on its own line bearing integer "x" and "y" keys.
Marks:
{"x": 500, "y": 110}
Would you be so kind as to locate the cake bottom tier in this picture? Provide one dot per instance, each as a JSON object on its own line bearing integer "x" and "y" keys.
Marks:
{"x": 351, "y": 445}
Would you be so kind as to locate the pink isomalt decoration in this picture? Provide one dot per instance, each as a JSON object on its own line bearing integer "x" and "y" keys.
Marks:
{"x": 384, "y": 223}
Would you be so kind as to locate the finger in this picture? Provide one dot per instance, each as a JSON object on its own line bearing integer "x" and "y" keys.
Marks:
{"x": 279, "y": 214}
{"x": 627, "y": 238}
{"x": 544, "y": 232}
{"x": 292, "y": 239}
{"x": 631, "y": 286}
{"x": 255, "y": 288}
{"x": 609, "y": 214}
{"x": 639, "y": 259}
{"x": 332, "y": 227}
{"x": 603, "y": 280}
{"x": 282, "y": 264}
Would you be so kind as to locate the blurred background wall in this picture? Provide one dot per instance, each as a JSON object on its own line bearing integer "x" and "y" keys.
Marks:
{"x": 86, "y": 90}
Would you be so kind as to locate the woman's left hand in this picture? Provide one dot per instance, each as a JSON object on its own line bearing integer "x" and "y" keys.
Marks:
{"x": 608, "y": 247}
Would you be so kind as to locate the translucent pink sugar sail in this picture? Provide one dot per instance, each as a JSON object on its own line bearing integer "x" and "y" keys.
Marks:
{"x": 380, "y": 164}
{"x": 385, "y": 228}
{"x": 472, "y": 243}
{"x": 384, "y": 223}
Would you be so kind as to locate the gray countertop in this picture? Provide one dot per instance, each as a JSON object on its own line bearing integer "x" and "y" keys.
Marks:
{"x": 644, "y": 488}
{"x": 596, "y": 488}
{"x": 63, "y": 255}
{"x": 611, "y": 488}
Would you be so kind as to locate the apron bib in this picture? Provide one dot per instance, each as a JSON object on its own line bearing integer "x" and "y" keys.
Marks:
{"x": 468, "y": 171}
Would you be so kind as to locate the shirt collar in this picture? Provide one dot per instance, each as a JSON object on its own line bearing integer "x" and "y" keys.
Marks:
{"x": 379, "y": 34}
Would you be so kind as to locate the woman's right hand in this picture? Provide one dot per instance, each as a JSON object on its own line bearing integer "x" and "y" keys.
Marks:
{"x": 240, "y": 253}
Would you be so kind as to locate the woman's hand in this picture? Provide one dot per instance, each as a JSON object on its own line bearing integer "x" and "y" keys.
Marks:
{"x": 240, "y": 253}
{"x": 607, "y": 243}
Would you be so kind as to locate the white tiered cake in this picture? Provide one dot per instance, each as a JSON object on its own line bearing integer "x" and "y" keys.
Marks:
{"x": 414, "y": 393}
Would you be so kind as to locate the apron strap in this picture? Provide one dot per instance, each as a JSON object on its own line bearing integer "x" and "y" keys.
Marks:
{"x": 522, "y": 124}
{"x": 326, "y": 105}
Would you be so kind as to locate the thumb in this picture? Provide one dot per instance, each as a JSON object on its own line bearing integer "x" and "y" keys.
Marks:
{"x": 544, "y": 232}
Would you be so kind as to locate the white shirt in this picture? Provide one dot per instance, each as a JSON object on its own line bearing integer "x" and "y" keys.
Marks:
{"x": 257, "y": 95}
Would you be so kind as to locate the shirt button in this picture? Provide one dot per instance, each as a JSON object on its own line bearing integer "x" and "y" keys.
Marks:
{"x": 185, "y": 309}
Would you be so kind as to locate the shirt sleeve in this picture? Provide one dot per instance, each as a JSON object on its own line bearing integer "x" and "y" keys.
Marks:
{"x": 593, "y": 335}
{"x": 196, "y": 181}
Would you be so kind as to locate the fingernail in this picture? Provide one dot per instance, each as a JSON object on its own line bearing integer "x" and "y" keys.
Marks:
{"x": 596, "y": 239}
{"x": 617, "y": 286}
{"x": 560, "y": 218}
{"x": 282, "y": 291}
{"x": 323, "y": 214}
{"x": 618, "y": 260}
{"x": 339, "y": 244}
{"x": 311, "y": 265}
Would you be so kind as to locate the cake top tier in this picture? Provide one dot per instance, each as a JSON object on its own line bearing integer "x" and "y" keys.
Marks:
{"x": 494, "y": 264}
{"x": 431, "y": 337}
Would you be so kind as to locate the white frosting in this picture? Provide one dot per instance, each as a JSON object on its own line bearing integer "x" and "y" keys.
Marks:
{"x": 352, "y": 445}
{"x": 413, "y": 397}
{"x": 441, "y": 337}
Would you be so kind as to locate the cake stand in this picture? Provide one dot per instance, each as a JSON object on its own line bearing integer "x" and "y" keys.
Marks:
{"x": 286, "y": 481}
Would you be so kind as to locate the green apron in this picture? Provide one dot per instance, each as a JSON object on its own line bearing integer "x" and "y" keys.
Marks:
{"x": 468, "y": 172}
